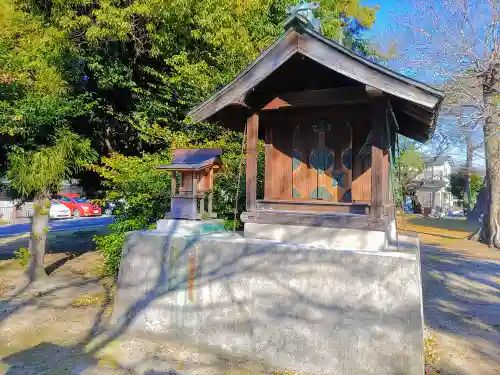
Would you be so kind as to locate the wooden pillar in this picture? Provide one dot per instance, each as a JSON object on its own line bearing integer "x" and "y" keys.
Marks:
{"x": 194, "y": 190}
{"x": 202, "y": 205}
{"x": 379, "y": 156}
{"x": 251, "y": 168}
{"x": 173, "y": 186}
{"x": 268, "y": 170}
{"x": 210, "y": 203}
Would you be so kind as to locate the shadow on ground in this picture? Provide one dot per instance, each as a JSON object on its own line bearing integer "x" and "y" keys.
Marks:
{"x": 461, "y": 297}
{"x": 78, "y": 241}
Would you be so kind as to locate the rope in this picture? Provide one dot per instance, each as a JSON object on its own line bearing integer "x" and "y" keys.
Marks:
{"x": 243, "y": 141}
{"x": 366, "y": 150}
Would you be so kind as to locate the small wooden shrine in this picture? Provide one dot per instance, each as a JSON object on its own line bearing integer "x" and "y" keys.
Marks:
{"x": 196, "y": 169}
{"x": 329, "y": 119}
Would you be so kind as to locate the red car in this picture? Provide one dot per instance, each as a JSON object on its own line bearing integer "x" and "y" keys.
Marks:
{"x": 79, "y": 206}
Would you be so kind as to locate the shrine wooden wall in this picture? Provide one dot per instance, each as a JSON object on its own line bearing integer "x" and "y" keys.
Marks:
{"x": 313, "y": 154}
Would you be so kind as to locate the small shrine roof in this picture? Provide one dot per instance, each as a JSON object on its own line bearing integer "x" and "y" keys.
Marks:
{"x": 193, "y": 159}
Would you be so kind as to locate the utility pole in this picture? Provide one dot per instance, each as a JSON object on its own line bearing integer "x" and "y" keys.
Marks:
{"x": 468, "y": 161}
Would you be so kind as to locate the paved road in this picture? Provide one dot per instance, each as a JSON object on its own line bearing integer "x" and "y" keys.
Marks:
{"x": 59, "y": 225}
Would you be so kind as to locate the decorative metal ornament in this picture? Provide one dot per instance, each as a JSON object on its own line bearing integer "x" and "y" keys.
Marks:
{"x": 305, "y": 9}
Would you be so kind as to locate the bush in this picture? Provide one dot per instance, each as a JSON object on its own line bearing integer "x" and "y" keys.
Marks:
{"x": 229, "y": 224}
{"x": 23, "y": 256}
{"x": 141, "y": 194}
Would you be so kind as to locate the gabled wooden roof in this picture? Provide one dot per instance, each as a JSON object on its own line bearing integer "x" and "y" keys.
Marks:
{"x": 193, "y": 159}
{"x": 415, "y": 104}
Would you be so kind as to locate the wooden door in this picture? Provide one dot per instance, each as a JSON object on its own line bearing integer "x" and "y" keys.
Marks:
{"x": 322, "y": 162}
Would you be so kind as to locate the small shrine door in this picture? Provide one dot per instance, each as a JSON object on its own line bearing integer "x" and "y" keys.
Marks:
{"x": 322, "y": 161}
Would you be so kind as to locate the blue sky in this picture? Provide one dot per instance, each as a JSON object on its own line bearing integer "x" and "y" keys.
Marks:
{"x": 383, "y": 15}
{"x": 384, "y": 31}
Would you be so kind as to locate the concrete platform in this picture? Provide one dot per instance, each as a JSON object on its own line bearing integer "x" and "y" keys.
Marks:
{"x": 190, "y": 227}
{"x": 328, "y": 238}
{"x": 299, "y": 308}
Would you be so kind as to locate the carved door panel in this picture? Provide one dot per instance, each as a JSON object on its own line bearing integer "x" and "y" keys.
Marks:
{"x": 322, "y": 162}
{"x": 341, "y": 142}
{"x": 304, "y": 175}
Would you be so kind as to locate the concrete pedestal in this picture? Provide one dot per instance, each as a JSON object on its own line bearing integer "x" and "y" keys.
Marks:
{"x": 181, "y": 227}
{"x": 295, "y": 308}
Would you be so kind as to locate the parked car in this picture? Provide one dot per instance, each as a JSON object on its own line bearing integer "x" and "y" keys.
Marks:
{"x": 79, "y": 206}
{"x": 58, "y": 210}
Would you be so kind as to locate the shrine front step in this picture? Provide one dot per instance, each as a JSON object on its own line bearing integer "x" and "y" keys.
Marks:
{"x": 329, "y": 231}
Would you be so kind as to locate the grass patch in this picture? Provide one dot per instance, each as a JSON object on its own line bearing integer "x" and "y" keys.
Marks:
{"x": 97, "y": 271}
{"x": 23, "y": 256}
{"x": 108, "y": 362}
{"x": 90, "y": 299}
{"x": 447, "y": 228}
{"x": 9, "y": 264}
{"x": 449, "y": 234}
{"x": 430, "y": 354}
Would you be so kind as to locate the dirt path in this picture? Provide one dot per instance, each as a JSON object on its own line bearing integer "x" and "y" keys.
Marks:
{"x": 58, "y": 326}
{"x": 462, "y": 307}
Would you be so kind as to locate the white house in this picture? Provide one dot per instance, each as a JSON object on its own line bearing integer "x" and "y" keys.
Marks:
{"x": 434, "y": 191}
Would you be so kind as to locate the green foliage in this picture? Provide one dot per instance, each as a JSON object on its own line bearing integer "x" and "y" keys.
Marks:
{"x": 38, "y": 173}
{"x": 123, "y": 75}
{"x": 142, "y": 196}
{"x": 23, "y": 256}
{"x": 142, "y": 193}
{"x": 457, "y": 185}
{"x": 138, "y": 66}
{"x": 229, "y": 224}
{"x": 408, "y": 164}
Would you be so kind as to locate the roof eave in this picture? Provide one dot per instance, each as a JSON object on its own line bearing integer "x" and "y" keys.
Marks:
{"x": 434, "y": 97}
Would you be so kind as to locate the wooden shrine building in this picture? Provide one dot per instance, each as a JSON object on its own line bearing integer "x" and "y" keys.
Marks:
{"x": 329, "y": 119}
{"x": 197, "y": 168}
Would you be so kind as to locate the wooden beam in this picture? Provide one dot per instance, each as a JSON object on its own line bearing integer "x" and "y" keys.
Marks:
{"x": 425, "y": 119}
{"x": 316, "y": 219}
{"x": 251, "y": 167}
{"x": 268, "y": 169}
{"x": 379, "y": 117}
{"x": 373, "y": 92}
{"x": 313, "y": 206}
{"x": 326, "y": 97}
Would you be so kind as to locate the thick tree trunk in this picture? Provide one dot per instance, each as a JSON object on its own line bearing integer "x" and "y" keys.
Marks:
{"x": 490, "y": 231}
{"x": 480, "y": 207}
{"x": 38, "y": 239}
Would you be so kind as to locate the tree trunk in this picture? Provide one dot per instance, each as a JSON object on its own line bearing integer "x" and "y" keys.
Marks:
{"x": 480, "y": 207}
{"x": 38, "y": 239}
{"x": 490, "y": 231}
{"x": 417, "y": 207}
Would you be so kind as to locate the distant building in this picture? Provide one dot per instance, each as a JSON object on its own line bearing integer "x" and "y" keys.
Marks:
{"x": 434, "y": 185}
